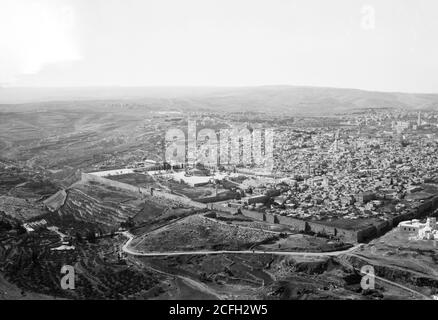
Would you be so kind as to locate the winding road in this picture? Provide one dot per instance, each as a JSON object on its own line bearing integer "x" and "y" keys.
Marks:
{"x": 132, "y": 252}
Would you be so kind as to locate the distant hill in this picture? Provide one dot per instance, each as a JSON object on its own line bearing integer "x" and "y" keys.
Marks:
{"x": 282, "y": 99}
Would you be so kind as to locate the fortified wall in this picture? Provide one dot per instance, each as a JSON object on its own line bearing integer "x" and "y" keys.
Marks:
{"x": 86, "y": 177}
{"x": 297, "y": 224}
{"x": 361, "y": 235}
{"x": 347, "y": 235}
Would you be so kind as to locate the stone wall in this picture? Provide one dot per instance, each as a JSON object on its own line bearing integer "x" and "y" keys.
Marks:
{"x": 220, "y": 197}
{"x": 256, "y": 215}
{"x": 361, "y": 235}
{"x": 311, "y": 226}
{"x": 86, "y": 177}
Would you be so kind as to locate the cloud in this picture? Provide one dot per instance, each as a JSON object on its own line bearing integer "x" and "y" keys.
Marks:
{"x": 34, "y": 34}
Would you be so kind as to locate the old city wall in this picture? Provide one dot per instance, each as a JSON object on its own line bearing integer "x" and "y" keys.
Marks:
{"x": 422, "y": 211}
{"x": 218, "y": 198}
{"x": 297, "y": 224}
{"x": 86, "y": 177}
{"x": 361, "y": 235}
{"x": 380, "y": 229}
{"x": 310, "y": 226}
{"x": 254, "y": 214}
{"x": 301, "y": 225}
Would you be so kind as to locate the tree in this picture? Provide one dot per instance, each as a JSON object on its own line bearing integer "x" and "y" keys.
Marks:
{"x": 79, "y": 238}
{"x": 91, "y": 237}
{"x": 129, "y": 223}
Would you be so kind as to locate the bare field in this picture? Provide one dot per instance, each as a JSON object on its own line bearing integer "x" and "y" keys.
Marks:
{"x": 195, "y": 193}
{"x": 305, "y": 243}
{"x": 197, "y": 233}
{"x": 231, "y": 276}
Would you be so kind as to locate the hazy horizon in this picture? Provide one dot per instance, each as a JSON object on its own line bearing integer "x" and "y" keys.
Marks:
{"x": 288, "y": 99}
{"x": 204, "y": 87}
{"x": 384, "y": 46}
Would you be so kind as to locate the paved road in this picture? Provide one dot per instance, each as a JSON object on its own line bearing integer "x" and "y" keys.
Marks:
{"x": 130, "y": 251}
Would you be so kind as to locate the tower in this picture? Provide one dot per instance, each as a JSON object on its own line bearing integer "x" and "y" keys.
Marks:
{"x": 335, "y": 146}
{"x": 419, "y": 119}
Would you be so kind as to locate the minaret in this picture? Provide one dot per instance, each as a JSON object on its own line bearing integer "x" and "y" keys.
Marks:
{"x": 336, "y": 145}
{"x": 419, "y": 119}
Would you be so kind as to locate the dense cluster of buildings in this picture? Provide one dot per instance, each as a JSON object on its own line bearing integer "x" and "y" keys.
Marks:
{"x": 373, "y": 166}
{"x": 356, "y": 171}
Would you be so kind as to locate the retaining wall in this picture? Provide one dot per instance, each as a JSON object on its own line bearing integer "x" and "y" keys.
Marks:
{"x": 86, "y": 177}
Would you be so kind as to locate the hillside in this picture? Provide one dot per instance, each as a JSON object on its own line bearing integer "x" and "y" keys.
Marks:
{"x": 284, "y": 99}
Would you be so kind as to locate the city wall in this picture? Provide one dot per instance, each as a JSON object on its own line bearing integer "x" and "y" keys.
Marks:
{"x": 347, "y": 235}
{"x": 86, "y": 177}
{"x": 218, "y": 198}
{"x": 297, "y": 224}
{"x": 360, "y": 235}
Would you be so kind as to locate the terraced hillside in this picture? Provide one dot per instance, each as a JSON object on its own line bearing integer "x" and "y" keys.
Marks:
{"x": 60, "y": 139}
{"x": 101, "y": 205}
{"x": 22, "y": 191}
{"x": 107, "y": 206}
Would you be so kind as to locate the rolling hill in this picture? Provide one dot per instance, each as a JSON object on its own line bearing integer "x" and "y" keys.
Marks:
{"x": 282, "y": 99}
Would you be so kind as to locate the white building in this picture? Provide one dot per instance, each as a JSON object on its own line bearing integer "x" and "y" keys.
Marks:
{"x": 423, "y": 231}
{"x": 430, "y": 231}
{"x": 401, "y": 126}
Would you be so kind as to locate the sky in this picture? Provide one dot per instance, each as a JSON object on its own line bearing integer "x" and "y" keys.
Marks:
{"x": 384, "y": 45}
